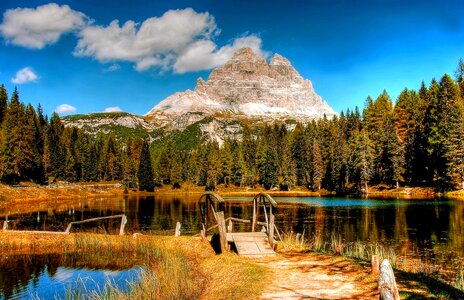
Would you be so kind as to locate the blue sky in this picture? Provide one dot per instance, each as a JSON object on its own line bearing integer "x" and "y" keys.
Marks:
{"x": 75, "y": 53}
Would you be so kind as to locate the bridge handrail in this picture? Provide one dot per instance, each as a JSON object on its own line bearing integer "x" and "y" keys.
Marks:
{"x": 269, "y": 198}
{"x": 218, "y": 198}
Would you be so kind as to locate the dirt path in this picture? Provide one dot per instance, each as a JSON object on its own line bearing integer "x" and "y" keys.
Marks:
{"x": 316, "y": 276}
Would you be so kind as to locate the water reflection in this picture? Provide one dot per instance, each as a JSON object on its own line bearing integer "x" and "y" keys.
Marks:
{"x": 430, "y": 229}
{"x": 51, "y": 276}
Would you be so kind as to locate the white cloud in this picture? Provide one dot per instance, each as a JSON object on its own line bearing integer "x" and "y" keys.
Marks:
{"x": 181, "y": 40}
{"x": 149, "y": 44}
{"x": 65, "y": 109}
{"x": 25, "y": 75}
{"x": 112, "y": 68}
{"x": 113, "y": 109}
{"x": 203, "y": 55}
{"x": 36, "y": 28}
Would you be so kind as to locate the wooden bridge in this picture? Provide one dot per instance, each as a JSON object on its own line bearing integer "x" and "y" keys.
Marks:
{"x": 253, "y": 243}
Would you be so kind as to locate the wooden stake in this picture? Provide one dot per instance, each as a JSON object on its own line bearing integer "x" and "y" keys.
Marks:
{"x": 203, "y": 233}
{"x": 123, "y": 224}
{"x": 222, "y": 231}
{"x": 375, "y": 264}
{"x": 177, "y": 229}
{"x": 229, "y": 226}
{"x": 271, "y": 231}
{"x": 387, "y": 282}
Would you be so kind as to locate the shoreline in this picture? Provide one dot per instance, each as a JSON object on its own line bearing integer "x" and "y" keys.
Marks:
{"x": 64, "y": 192}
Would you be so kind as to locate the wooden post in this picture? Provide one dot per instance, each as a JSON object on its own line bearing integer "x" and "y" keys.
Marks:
{"x": 123, "y": 224}
{"x": 253, "y": 223}
{"x": 222, "y": 231}
{"x": 271, "y": 231}
{"x": 375, "y": 264}
{"x": 229, "y": 226}
{"x": 177, "y": 229}
{"x": 387, "y": 282}
{"x": 203, "y": 233}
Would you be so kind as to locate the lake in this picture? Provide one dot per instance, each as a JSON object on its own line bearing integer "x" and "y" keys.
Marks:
{"x": 57, "y": 276}
{"x": 431, "y": 230}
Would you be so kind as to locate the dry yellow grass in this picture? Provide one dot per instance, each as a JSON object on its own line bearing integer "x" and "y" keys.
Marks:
{"x": 176, "y": 268}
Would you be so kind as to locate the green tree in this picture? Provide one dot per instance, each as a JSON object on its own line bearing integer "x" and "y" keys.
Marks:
{"x": 300, "y": 154}
{"x": 145, "y": 175}
{"x": 317, "y": 166}
{"x": 267, "y": 167}
{"x": 15, "y": 155}
{"x": 361, "y": 159}
{"x": 3, "y": 103}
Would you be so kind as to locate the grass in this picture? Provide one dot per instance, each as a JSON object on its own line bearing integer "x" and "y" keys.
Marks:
{"x": 176, "y": 268}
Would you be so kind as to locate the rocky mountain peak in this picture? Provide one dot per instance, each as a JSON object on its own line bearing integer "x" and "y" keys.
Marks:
{"x": 248, "y": 86}
{"x": 279, "y": 60}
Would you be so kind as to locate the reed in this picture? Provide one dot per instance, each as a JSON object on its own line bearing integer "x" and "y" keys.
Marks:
{"x": 174, "y": 268}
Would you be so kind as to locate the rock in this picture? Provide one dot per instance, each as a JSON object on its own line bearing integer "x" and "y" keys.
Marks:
{"x": 248, "y": 86}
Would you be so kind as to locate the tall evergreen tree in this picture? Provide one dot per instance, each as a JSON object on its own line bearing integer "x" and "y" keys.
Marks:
{"x": 145, "y": 176}
{"x": 317, "y": 166}
{"x": 3, "y": 102}
{"x": 267, "y": 167}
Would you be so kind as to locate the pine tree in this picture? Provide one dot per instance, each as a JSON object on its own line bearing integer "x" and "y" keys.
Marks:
{"x": 227, "y": 161}
{"x": 214, "y": 166}
{"x": 13, "y": 160}
{"x": 267, "y": 167}
{"x": 176, "y": 172}
{"x": 361, "y": 159}
{"x": 300, "y": 153}
{"x": 55, "y": 153}
{"x": 3, "y": 103}
{"x": 165, "y": 162}
{"x": 317, "y": 166}
{"x": 145, "y": 171}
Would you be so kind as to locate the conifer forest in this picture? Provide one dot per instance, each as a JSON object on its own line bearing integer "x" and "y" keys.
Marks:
{"x": 416, "y": 140}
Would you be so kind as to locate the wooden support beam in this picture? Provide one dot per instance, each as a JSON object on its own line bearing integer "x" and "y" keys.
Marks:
{"x": 203, "y": 233}
{"x": 230, "y": 226}
{"x": 271, "y": 231}
{"x": 375, "y": 265}
{"x": 177, "y": 229}
{"x": 123, "y": 224}
{"x": 222, "y": 231}
{"x": 387, "y": 282}
{"x": 255, "y": 217}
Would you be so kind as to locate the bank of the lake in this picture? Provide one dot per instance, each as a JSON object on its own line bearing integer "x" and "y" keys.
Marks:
{"x": 26, "y": 192}
{"x": 186, "y": 267}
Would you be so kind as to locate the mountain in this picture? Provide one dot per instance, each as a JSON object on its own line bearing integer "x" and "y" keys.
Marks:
{"x": 245, "y": 87}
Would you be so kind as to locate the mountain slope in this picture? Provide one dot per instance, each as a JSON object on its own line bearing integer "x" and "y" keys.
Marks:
{"x": 247, "y": 87}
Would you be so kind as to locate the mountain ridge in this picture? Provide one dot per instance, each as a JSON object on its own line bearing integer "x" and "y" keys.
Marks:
{"x": 247, "y": 86}
{"x": 247, "y": 89}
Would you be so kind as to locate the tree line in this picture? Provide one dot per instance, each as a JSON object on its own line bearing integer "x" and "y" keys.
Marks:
{"x": 35, "y": 148}
{"x": 416, "y": 142}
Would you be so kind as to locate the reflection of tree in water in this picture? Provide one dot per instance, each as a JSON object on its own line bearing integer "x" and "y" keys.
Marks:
{"x": 17, "y": 271}
{"x": 431, "y": 226}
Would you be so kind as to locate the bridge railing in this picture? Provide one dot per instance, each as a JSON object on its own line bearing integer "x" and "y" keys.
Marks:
{"x": 214, "y": 203}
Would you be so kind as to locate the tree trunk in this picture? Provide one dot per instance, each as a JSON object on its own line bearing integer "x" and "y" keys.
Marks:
{"x": 366, "y": 188}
